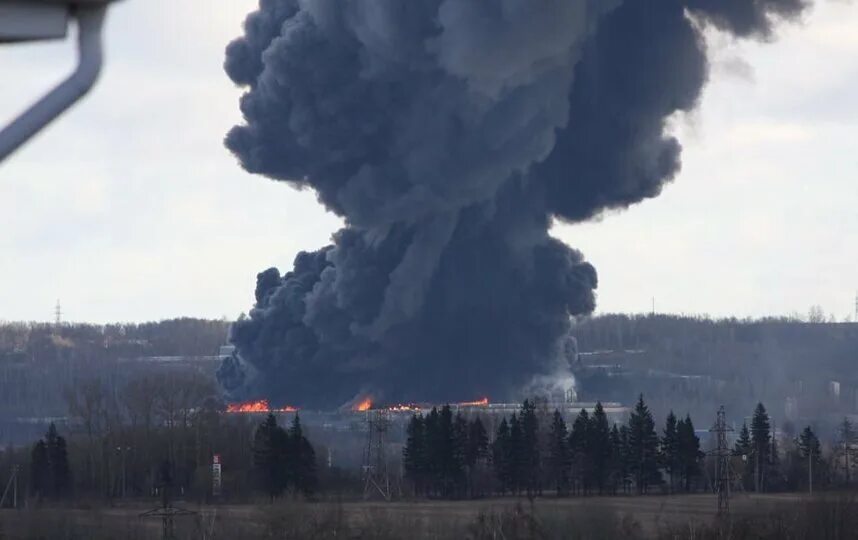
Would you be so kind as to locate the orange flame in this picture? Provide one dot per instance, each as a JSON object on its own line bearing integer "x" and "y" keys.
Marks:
{"x": 479, "y": 403}
{"x": 258, "y": 406}
{"x": 364, "y": 405}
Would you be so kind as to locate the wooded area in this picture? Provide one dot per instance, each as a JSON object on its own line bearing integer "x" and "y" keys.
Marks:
{"x": 534, "y": 453}
{"x": 120, "y": 420}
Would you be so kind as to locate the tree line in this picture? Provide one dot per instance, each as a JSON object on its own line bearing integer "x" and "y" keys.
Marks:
{"x": 533, "y": 451}
{"x": 283, "y": 460}
{"x": 120, "y": 438}
{"x": 49, "y": 466}
{"x": 174, "y": 337}
{"x": 759, "y": 464}
{"x": 442, "y": 453}
{"x": 652, "y": 350}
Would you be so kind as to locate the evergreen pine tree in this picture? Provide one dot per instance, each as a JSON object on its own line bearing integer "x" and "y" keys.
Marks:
{"x": 517, "y": 457}
{"x": 60, "y": 470}
{"x": 690, "y": 455}
{"x": 414, "y": 454}
{"x": 743, "y": 443}
{"x": 579, "y": 451}
{"x": 744, "y": 449}
{"x": 810, "y": 455}
{"x": 476, "y": 451}
{"x": 616, "y": 465}
{"x": 267, "y": 460}
{"x": 808, "y": 445}
{"x": 530, "y": 473}
{"x": 459, "y": 458}
{"x": 626, "y": 456}
{"x": 558, "y": 454}
{"x": 449, "y": 469}
{"x": 776, "y": 472}
{"x": 434, "y": 450}
{"x": 643, "y": 445}
{"x": 478, "y": 443}
{"x": 670, "y": 457}
{"x": 599, "y": 447}
{"x": 51, "y": 441}
{"x": 40, "y": 474}
{"x": 761, "y": 445}
{"x": 501, "y": 452}
{"x": 301, "y": 459}
{"x": 58, "y": 475}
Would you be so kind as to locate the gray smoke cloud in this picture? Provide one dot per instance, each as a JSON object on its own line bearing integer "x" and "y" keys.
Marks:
{"x": 448, "y": 134}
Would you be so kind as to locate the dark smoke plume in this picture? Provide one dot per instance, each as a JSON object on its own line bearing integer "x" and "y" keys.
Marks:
{"x": 448, "y": 134}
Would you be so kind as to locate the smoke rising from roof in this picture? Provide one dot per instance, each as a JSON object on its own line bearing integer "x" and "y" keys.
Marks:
{"x": 448, "y": 134}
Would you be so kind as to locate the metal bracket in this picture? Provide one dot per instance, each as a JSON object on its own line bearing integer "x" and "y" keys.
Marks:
{"x": 90, "y": 19}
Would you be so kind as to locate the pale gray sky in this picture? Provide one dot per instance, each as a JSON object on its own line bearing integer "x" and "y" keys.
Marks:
{"x": 130, "y": 208}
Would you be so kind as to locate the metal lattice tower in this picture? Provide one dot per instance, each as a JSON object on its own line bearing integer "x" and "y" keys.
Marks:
{"x": 167, "y": 512}
{"x": 375, "y": 471}
{"x": 722, "y": 461}
{"x": 58, "y": 314}
{"x": 12, "y": 486}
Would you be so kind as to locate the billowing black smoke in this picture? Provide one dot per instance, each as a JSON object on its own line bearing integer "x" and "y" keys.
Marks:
{"x": 448, "y": 134}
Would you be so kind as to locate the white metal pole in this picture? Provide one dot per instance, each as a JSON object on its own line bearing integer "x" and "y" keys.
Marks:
{"x": 90, "y": 20}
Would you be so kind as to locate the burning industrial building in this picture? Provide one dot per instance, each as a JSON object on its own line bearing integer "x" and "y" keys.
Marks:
{"x": 448, "y": 135}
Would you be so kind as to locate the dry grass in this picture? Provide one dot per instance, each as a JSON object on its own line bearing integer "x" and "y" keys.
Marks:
{"x": 691, "y": 517}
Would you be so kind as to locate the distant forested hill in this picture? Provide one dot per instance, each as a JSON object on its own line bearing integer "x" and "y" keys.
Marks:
{"x": 724, "y": 347}
{"x": 174, "y": 337}
{"x": 40, "y": 362}
{"x": 800, "y": 369}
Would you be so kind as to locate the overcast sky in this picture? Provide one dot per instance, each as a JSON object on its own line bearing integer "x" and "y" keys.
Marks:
{"x": 130, "y": 209}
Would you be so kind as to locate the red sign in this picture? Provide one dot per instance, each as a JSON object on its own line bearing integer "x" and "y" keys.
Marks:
{"x": 216, "y": 459}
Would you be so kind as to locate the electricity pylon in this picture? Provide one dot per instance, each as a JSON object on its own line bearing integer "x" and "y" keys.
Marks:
{"x": 722, "y": 461}
{"x": 376, "y": 474}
